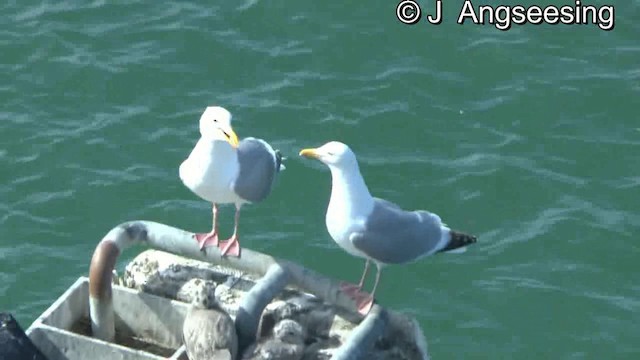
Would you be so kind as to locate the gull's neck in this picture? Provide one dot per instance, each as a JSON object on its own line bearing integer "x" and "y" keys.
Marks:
{"x": 349, "y": 192}
{"x": 211, "y": 150}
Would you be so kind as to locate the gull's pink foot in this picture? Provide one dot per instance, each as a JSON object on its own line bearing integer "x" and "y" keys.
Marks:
{"x": 230, "y": 247}
{"x": 364, "y": 302}
{"x": 351, "y": 290}
{"x": 210, "y": 239}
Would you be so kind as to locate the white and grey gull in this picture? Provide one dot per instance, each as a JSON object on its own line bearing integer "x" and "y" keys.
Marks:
{"x": 376, "y": 229}
{"x": 223, "y": 170}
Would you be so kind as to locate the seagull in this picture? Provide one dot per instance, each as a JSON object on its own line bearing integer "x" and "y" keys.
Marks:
{"x": 223, "y": 170}
{"x": 375, "y": 229}
{"x": 287, "y": 343}
{"x": 208, "y": 333}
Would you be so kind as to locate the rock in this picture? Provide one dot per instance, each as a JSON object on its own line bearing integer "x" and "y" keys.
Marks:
{"x": 164, "y": 274}
{"x": 14, "y": 343}
{"x": 208, "y": 332}
{"x": 321, "y": 350}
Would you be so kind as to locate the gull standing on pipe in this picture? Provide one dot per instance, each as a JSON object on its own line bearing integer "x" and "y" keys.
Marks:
{"x": 223, "y": 170}
{"x": 376, "y": 229}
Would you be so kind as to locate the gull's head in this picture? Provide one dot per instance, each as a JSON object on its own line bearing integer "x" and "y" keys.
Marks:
{"x": 215, "y": 123}
{"x": 333, "y": 154}
{"x": 289, "y": 331}
{"x": 203, "y": 298}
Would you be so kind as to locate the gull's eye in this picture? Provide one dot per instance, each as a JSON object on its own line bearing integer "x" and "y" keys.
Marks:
{"x": 215, "y": 120}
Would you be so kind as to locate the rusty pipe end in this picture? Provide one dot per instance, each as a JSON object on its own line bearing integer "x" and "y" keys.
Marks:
{"x": 101, "y": 269}
{"x": 100, "y": 292}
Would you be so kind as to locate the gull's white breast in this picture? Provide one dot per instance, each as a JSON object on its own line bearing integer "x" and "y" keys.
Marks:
{"x": 341, "y": 223}
{"x": 210, "y": 169}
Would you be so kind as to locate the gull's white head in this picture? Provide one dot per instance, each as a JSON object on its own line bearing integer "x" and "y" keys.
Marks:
{"x": 215, "y": 123}
{"x": 333, "y": 154}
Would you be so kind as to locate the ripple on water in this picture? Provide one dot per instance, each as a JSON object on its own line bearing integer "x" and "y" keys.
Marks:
{"x": 624, "y": 303}
{"x": 484, "y": 41}
{"x": 625, "y": 183}
{"x": 503, "y": 283}
{"x": 536, "y": 228}
{"x": 26, "y": 218}
{"x": 36, "y": 198}
{"x": 256, "y": 95}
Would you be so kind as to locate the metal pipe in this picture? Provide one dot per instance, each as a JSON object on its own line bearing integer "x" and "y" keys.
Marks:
{"x": 179, "y": 354}
{"x": 180, "y": 242}
{"x": 100, "y": 294}
{"x": 363, "y": 336}
{"x": 253, "y": 303}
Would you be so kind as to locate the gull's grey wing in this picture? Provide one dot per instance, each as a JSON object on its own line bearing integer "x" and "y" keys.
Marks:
{"x": 394, "y": 236}
{"x": 259, "y": 164}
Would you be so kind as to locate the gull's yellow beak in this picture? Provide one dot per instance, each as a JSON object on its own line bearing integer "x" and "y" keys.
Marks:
{"x": 310, "y": 153}
{"x": 232, "y": 138}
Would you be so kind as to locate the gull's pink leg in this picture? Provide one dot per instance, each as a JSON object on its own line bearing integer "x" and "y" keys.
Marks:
{"x": 365, "y": 301}
{"x": 351, "y": 289}
{"x": 232, "y": 245}
{"x": 210, "y": 239}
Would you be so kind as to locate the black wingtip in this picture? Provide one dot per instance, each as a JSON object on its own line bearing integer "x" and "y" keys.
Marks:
{"x": 278, "y": 159}
{"x": 459, "y": 240}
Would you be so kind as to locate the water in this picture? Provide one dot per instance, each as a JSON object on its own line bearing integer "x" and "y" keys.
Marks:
{"x": 527, "y": 138}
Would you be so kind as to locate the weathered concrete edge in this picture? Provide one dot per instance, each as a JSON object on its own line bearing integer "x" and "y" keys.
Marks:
{"x": 180, "y": 242}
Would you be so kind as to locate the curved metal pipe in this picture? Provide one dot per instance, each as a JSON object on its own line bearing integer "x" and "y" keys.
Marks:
{"x": 363, "y": 336}
{"x": 253, "y": 303}
{"x": 100, "y": 295}
{"x": 180, "y": 242}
